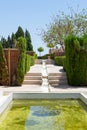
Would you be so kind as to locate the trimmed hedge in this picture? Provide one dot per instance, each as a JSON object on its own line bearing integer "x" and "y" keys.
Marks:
{"x": 59, "y": 60}
{"x": 32, "y": 60}
{"x": 4, "y": 76}
{"x": 46, "y": 56}
{"x": 76, "y": 60}
{"x": 21, "y": 45}
{"x": 27, "y": 63}
{"x": 24, "y": 62}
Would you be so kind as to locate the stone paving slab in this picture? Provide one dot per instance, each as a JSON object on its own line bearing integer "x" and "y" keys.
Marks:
{"x": 38, "y": 88}
{"x": 67, "y": 88}
{"x": 55, "y": 69}
{"x": 23, "y": 88}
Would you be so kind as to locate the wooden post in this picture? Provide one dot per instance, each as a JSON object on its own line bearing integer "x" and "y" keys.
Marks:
{"x": 9, "y": 64}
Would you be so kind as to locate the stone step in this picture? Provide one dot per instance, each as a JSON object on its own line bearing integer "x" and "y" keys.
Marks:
{"x": 32, "y": 82}
{"x": 32, "y": 78}
{"x": 57, "y": 78}
{"x": 57, "y": 74}
{"x": 61, "y": 82}
{"x": 33, "y": 74}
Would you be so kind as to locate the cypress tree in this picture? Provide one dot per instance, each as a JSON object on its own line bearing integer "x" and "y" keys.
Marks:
{"x": 3, "y": 42}
{"x": 21, "y": 45}
{"x": 19, "y": 33}
{"x": 29, "y": 46}
{"x": 13, "y": 40}
{"x": 4, "y": 76}
{"x": 9, "y": 42}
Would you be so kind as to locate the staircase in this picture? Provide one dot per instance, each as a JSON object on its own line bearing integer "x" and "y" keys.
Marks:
{"x": 56, "y": 75}
{"x": 48, "y": 61}
{"x": 32, "y": 79}
{"x": 56, "y": 79}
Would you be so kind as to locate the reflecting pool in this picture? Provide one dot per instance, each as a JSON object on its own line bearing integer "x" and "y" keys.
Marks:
{"x": 45, "y": 115}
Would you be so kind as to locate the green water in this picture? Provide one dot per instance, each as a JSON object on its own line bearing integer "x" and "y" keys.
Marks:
{"x": 45, "y": 115}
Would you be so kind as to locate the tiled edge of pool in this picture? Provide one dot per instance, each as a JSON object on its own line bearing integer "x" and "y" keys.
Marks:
{"x": 5, "y": 100}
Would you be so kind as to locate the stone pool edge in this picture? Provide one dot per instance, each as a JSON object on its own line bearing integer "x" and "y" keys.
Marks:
{"x": 6, "y": 99}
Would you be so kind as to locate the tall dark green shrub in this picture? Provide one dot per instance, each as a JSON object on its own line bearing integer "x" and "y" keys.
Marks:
{"x": 27, "y": 63}
{"x": 21, "y": 45}
{"x": 29, "y": 46}
{"x": 76, "y": 61}
{"x": 4, "y": 76}
{"x": 19, "y": 33}
{"x": 4, "y": 42}
{"x": 13, "y": 40}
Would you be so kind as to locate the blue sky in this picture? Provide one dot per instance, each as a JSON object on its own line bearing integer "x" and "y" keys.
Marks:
{"x": 33, "y": 15}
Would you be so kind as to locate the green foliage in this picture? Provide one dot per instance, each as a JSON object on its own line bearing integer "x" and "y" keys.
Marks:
{"x": 49, "y": 45}
{"x": 64, "y": 25}
{"x": 21, "y": 69}
{"x": 21, "y": 45}
{"x": 59, "y": 60}
{"x": 4, "y": 76}
{"x": 32, "y": 59}
{"x": 27, "y": 63}
{"x": 28, "y": 41}
{"x": 11, "y": 41}
{"x": 40, "y": 49}
{"x": 76, "y": 60}
{"x": 24, "y": 62}
{"x": 3, "y": 42}
{"x": 19, "y": 33}
{"x": 46, "y": 56}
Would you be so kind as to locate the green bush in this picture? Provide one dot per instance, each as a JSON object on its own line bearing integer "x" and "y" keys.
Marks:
{"x": 46, "y": 56}
{"x": 21, "y": 45}
{"x": 32, "y": 59}
{"x": 59, "y": 60}
{"x": 4, "y": 76}
{"x": 21, "y": 69}
{"x": 27, "y": 63}
{"x": 76, "y": 60}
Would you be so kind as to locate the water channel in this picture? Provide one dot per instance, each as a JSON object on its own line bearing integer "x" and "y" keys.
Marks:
{"x": 45, "y": 81}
